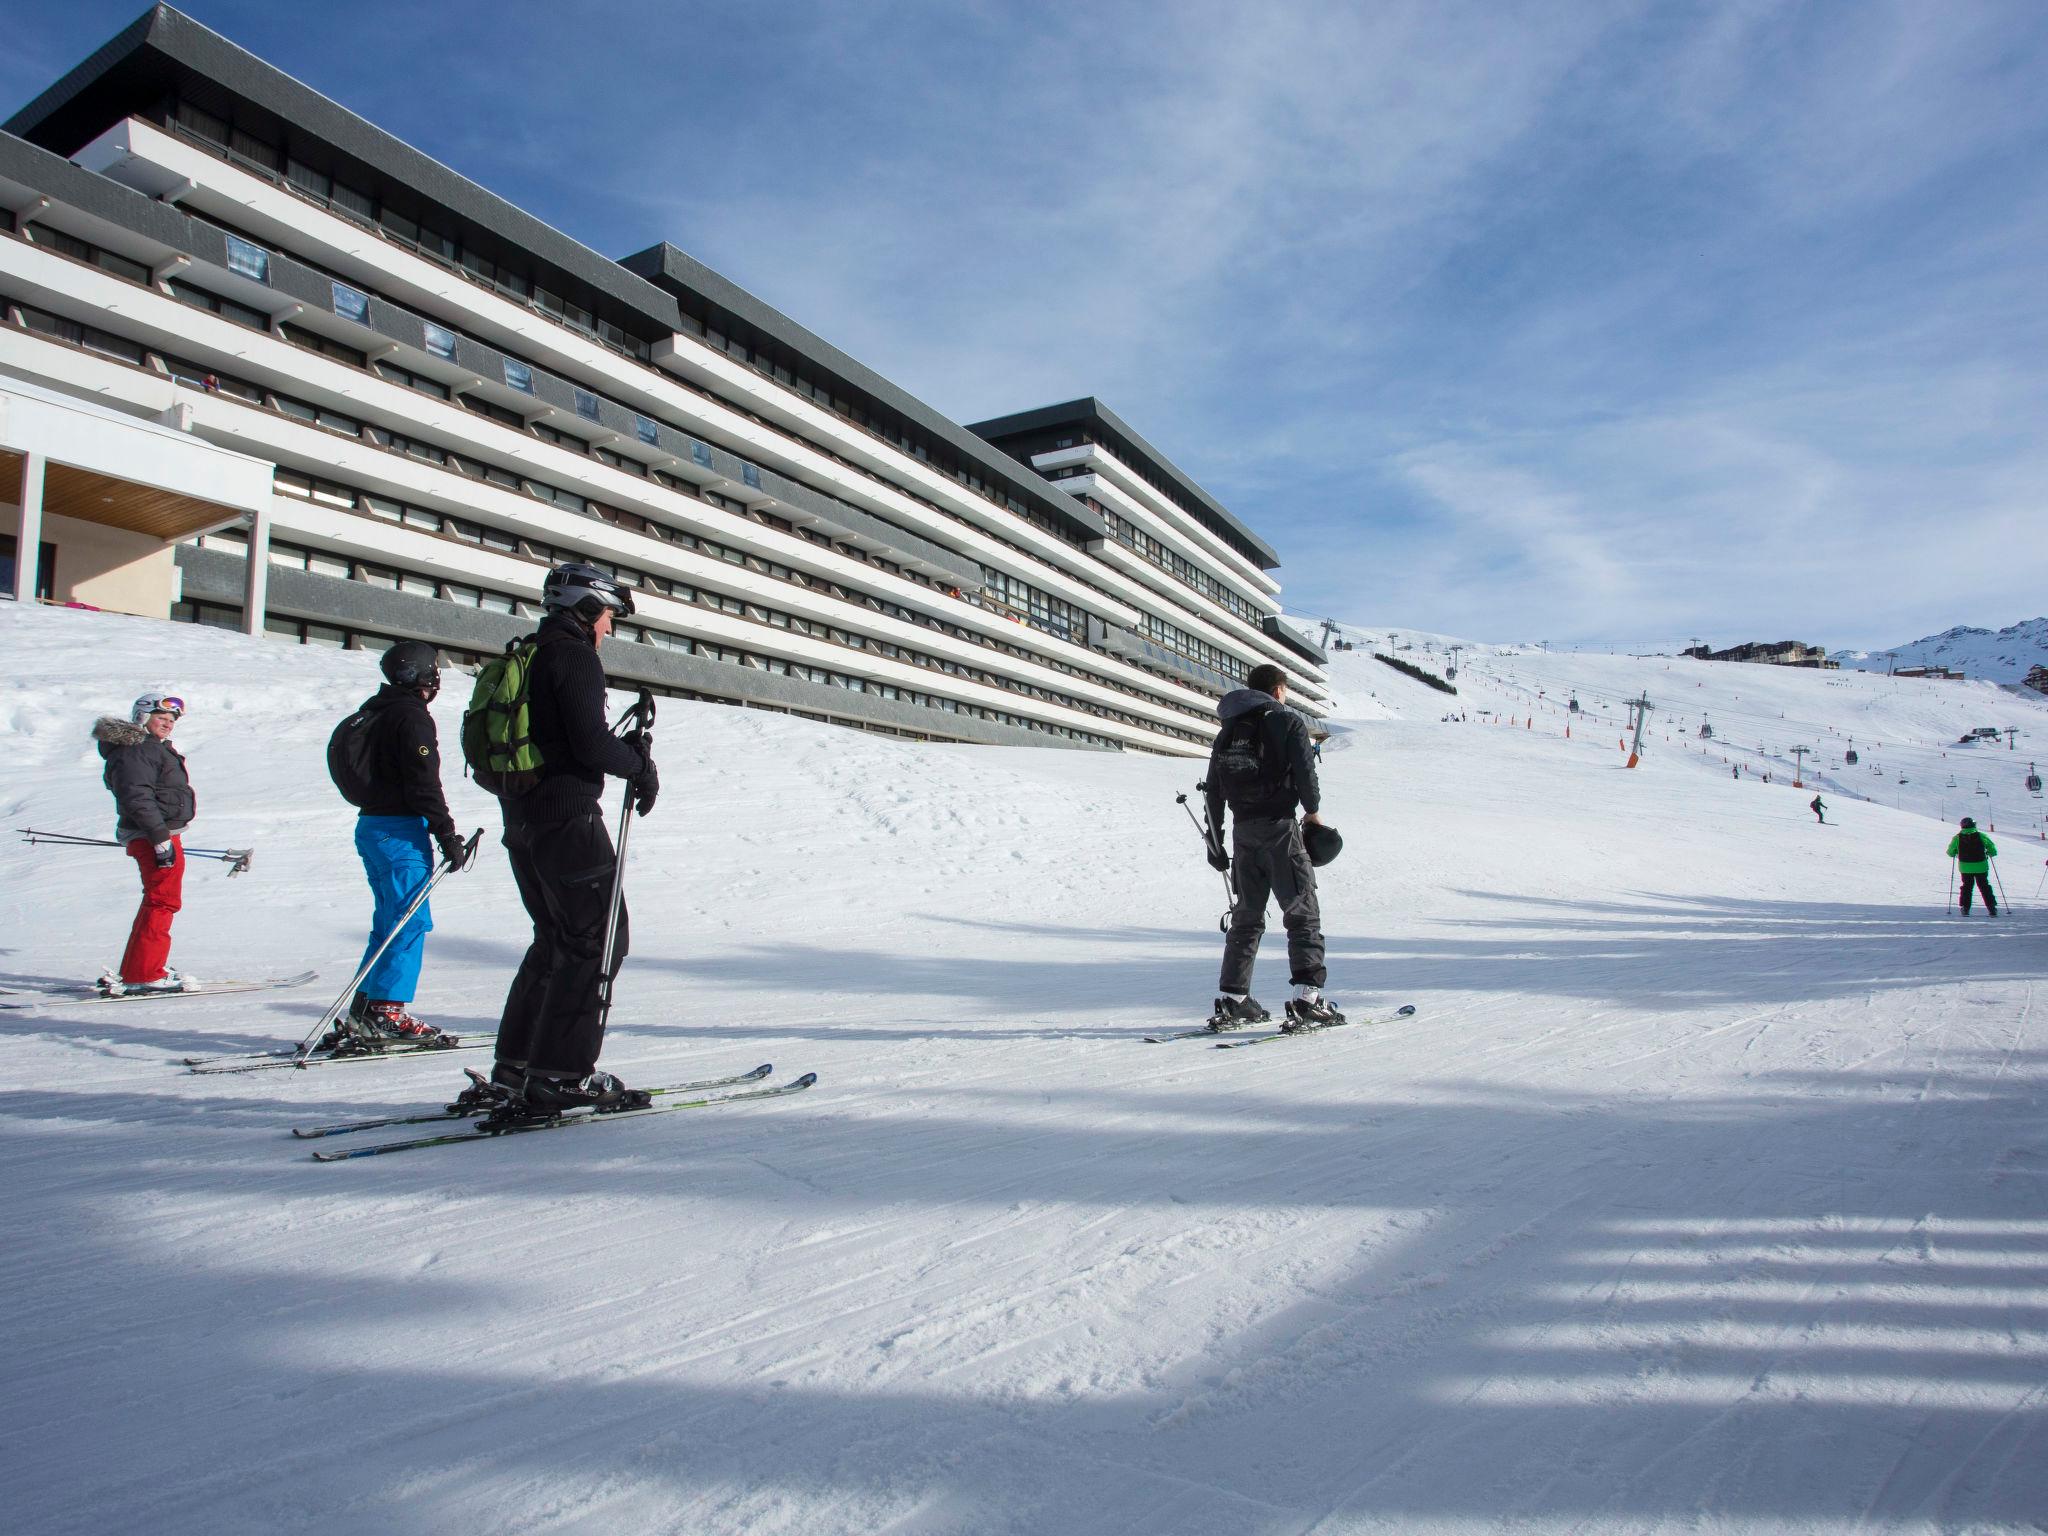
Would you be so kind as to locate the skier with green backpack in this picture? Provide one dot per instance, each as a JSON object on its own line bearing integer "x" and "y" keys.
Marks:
{"x": 535, "y": 735}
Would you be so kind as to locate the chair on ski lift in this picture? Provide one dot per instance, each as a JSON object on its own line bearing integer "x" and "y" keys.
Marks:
{"x": 1850, "y": 757}
{"x": 2033, "y": 780}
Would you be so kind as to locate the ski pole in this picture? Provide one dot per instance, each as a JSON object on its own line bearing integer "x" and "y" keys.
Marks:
{"x": 643, "y": 712}
{"x": 1999, "y": 880}
{"x": 446, "y": 866}
{"x": 2043, "y": 886}
{"x": 1951, "y": 882}
{"x": 236, "y": 858}
{"x": 1210, "y": 840}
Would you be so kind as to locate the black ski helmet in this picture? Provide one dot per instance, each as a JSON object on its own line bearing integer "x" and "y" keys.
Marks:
{"x": 582, "y": 589}
{"x": 412, "y": 664}
{"x": 1324, "y": 843}
{"x": 1969, "y": 825}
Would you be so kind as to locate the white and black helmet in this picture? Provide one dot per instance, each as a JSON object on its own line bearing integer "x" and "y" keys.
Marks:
{"x": 157, "y": 703}
{"x": 584, "y": 590}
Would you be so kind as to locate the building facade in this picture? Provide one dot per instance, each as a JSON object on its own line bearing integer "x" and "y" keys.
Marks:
{"x": 440, "y": 396}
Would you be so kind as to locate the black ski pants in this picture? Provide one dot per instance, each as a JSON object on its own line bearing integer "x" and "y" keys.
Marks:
{"x": 1983, "y": 883}
{"x": 564, "y": 872}
{"x": 1267, "y": 860}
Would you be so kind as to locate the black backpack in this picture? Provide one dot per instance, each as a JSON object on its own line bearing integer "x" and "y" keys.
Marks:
{"x": 1970, "y": 847}
{"x": 1242, "y": 769}
{"x": 352, "y": 758}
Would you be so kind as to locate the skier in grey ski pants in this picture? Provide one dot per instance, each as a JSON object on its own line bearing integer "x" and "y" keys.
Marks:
{"x": 1268, "y": 859}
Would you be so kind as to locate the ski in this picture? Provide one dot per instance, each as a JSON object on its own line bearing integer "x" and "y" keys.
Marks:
{"x": 70, "y": 998}
{"x": 1204, "y": 1033}
{"x": 562, "y": 1122}
{"x": 1406, "y": 1010}
{"x": 347, "y": 1127}
{"x": 291, "y": 1061}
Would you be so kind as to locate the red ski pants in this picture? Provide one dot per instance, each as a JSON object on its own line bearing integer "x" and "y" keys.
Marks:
{"x": 149, "y": 940}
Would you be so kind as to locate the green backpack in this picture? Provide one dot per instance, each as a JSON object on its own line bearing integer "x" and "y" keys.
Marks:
{"x": 496, "y": 732}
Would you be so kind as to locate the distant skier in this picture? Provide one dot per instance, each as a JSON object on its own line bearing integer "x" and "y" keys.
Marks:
{"x": 562, "y": 858}
{"x": 1974, "y": 852}
{"x": 1262, "y": 767}
{"x": 153, "y": 795}
{"x": 402, "y": 818}
{"x": 1819, "y": 808}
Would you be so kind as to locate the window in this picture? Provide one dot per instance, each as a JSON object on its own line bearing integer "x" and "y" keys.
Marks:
{"x": 646, "y": 431}
{"x": 411, "y": 380}
{"x": 227, "y": 309}
{"x": 250, "y": 260}
{"x": 586, "y": 405}
{"x": 518, "y": 376}
{"x": 299, "y": 336}
{"x": 351, "y": 304}
{"x": 440, "y": 341}
{"x": 751, "y": 475}
{"x": 202, "y": 123}
{"x": 307, "y": 179}
{"x": 701, "y": 454}
{"x": 349, "y": 200}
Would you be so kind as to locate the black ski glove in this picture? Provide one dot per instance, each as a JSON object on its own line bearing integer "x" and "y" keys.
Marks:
{"x": 646, "y": 784}
{"x": 1219, "y": 860}
{"x": 454, "y": 851}
{"x": 166, "y": 854}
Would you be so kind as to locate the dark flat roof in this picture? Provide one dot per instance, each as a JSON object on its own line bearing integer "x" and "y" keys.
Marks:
{"x": 165, "y": 52}
{"x": 1115, "y": 433}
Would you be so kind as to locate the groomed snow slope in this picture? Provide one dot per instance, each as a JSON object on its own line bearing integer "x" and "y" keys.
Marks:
{"x": 1705, "y": 1192}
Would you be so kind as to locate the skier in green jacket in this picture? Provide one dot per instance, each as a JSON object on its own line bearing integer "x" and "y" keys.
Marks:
{"x": 1974, "y": 853}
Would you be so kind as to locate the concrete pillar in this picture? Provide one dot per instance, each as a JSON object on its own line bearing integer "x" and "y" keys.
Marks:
{"x": 28, "y": 535}
{"x": 256, "y": 580}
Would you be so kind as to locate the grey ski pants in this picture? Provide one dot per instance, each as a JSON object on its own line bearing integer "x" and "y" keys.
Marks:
{"x": 1268, "y": 860}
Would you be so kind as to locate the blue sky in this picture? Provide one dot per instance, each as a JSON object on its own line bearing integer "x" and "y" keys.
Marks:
{"x": 1595, "y": 321}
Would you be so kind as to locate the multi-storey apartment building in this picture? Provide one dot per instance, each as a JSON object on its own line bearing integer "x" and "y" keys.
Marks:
{"x": 264, "y": 365}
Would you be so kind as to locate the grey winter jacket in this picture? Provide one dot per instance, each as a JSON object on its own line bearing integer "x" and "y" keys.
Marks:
{"x": 1288, "y": 752}
{"x": 152, "y": 794}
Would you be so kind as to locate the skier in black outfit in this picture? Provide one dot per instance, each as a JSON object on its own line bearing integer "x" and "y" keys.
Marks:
{"x": 1262, "y": 766}
{"x": 561, "y": 854}
{"x": 404, "y": 809}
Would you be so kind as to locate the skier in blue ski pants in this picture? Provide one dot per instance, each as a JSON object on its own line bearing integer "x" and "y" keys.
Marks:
{"x": 386, "y": 760}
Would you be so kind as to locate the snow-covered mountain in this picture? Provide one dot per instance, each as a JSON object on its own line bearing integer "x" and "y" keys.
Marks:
{"x": 2000, "y": 656}
{"x": 1704, "y": 1191}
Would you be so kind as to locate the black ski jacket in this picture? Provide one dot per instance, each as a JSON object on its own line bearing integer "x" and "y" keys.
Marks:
{"x": 1290, "y": 756}
{"x": 566, "y": 715}
{"x": 152, "y": 793}
{"x": 405, "y": 759}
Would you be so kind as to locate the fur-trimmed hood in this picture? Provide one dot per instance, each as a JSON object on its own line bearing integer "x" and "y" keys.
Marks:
{"x": 113, "y": 731}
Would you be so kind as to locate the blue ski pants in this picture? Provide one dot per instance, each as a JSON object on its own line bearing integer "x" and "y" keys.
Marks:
{"x": 398, "y": 856}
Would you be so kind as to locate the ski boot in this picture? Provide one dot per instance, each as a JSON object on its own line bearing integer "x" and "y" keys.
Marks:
{"x": 1309, "y": 1009}
{"x": 385, "y": 1024}
{"x": 1236, "y": 1013}
{"x": 544, "y": 1097}
{"x": 172, "y": 980}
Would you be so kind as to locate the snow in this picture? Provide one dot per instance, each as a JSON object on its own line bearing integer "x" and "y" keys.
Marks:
{"x": 1705, "y": 1191}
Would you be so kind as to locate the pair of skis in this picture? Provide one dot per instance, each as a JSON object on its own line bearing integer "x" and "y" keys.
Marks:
{"x": 1406, "y": 1010}
{"x": 289, "y": 1058}
{"x": 668, "y": 1100}
{"x": 70, "y": 997}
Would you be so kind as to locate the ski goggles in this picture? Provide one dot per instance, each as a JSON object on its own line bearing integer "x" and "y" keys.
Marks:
{"x": 170, "y": 705}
